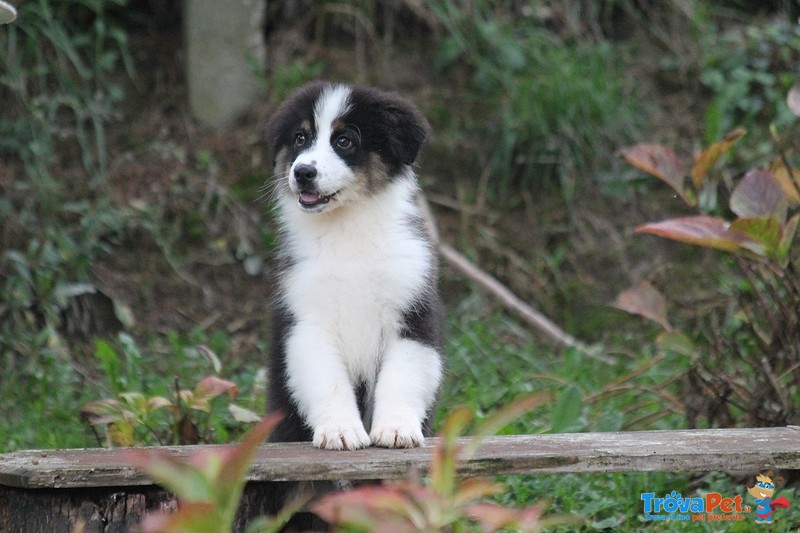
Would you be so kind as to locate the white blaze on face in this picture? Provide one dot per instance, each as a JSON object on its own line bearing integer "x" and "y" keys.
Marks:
{"x": 333, "y": 175}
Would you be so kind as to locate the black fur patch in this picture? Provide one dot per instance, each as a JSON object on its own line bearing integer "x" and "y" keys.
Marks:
{"x": 383, "y": 123}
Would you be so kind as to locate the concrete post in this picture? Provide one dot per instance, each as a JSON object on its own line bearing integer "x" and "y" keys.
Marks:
{"x": 224, "y": 48}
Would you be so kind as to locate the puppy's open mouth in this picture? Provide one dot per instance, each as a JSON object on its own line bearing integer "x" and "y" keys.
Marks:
{"x": 313, "y": 199}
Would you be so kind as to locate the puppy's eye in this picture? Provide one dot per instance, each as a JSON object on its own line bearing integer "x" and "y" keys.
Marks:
{"x": 343, "y": 142}
{"x": 300, "y": 139}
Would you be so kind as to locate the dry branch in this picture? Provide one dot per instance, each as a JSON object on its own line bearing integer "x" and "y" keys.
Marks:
{"x": 503, "y": 294}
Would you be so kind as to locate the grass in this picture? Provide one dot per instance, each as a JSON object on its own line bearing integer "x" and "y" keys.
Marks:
{"x": 52, "y": 231}
{"x": 46, "y": 398}
{"x": 492, "y": 360}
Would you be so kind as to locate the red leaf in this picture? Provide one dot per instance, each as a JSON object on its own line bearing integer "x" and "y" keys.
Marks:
{"x": 646, "y": 301}
{"x": 380, "y": 508}
{"x": 237, "y": 459}
{"x": 210, "y": 387}
{"x": 661, "y": 162}
{"x": 709, "y": 232}
{"x": 191, "y": 516}
{"x": 759, "y": 194}
{"x": 706, "y": 159}
{"x": 494, "y": 517}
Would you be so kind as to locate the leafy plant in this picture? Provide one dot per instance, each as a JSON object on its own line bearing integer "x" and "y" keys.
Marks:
{"x": 748, "y": 69}
{"x": 763, "y": 334}
{"x": 208, "y": 485}
{"x": 760, "y": 202}
{"x": 182, "y": 417}
{"x": 547, "y": 106}
{"x": 59, "y": 84}
{"x": 444, "y": 502}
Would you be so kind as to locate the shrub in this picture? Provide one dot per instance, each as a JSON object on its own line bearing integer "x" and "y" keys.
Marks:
{"x": 544, "y": 106}
{"x": 59, "y": 63}
{"x": 746, "y": 369}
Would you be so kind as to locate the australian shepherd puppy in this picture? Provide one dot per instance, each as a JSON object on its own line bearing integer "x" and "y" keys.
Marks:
{"x": 356, "y": 339}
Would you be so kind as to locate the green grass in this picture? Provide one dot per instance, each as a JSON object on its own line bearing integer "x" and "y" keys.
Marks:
{"x": 492, "y": 360}
{"x": 44, "y": 398}
{"x": 575, "y": 112}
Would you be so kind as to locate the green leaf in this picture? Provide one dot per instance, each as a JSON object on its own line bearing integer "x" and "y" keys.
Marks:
{"x": 443, "y": 464}
{"x": 121, "y": 433}
{"x": 209, "y": 354}
{"x": 765, "y": 230}
{"x": 787, "y": 236}
{"x": 242, "y": 414}
{"x": 188, "y": 482}
{"x": 109, "y": 360}
{"x": 567, "y": 410}
{"x": 705, "y": 160}
{"x": 675, "y": 341}
{"x": 105, "y": 411}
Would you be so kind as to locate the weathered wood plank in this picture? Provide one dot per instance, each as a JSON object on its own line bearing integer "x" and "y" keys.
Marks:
{"x": 691, "y": 450}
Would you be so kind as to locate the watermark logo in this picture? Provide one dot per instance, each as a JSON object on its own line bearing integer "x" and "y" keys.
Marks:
{"x": 714, "y": 507}
{"x": 763, "y": 492}
{"x": 675, "y": 507}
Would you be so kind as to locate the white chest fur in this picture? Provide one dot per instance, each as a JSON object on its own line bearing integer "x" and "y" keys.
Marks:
{"x": 353, "y": 272}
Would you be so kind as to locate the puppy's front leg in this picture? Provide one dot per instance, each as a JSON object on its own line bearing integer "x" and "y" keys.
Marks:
{"x": 321, "y": 387}
{"x": 405, "y": 391}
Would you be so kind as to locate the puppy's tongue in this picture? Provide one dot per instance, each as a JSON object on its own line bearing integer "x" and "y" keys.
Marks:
{"x": 309, "y": 197}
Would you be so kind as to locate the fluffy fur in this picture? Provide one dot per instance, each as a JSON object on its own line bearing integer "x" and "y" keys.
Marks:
{"x": 355, "y": 357}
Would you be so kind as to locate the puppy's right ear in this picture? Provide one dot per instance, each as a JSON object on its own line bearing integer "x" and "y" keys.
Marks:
{"x": 296, "y": 108}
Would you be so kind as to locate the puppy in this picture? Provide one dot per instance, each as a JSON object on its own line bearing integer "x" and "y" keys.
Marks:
{"x": 357, "y": 322}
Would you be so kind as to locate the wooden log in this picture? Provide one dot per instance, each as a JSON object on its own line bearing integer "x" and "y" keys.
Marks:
{"x": 638, "y": 451}
{"x": 52, "y": 490}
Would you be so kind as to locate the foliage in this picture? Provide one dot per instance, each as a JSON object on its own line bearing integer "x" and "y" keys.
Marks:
{"x": 493, "y": 361}
{"x": 546, "y": 105}
{"x": 135, "y": 418}
{"x": 209, "y": 485}
{"x": 748, "y": 70}
{"x": 60, "y": 64}
{"x": 763, "y": 335}
{"x": 445, "y": 502}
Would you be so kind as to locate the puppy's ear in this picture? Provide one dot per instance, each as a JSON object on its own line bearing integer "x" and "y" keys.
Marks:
{"x": 408, "y": 129}
{"x": 284, "y": 121}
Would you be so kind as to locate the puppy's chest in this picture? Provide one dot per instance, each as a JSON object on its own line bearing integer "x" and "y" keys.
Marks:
{"x": 357, "y": 286}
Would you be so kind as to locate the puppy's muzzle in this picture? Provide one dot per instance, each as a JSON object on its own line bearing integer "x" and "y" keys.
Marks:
{"x": 305, "y": 175}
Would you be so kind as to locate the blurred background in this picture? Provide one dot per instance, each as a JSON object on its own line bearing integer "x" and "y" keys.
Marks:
{"x": 137, "y": 237}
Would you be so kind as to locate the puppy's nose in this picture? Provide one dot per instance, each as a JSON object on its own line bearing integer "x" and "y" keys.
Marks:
{"x": 304, "y": 175}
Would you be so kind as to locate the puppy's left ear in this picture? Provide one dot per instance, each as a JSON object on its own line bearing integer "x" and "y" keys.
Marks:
{"x": 408, "y": 129}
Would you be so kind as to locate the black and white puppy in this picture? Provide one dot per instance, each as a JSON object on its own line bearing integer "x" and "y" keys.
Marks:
{"x": 356, "y": 350}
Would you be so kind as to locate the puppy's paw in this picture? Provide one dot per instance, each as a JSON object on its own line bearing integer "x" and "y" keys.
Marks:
{"x": 341, "y": 437}
{"x": 397, "y": 435}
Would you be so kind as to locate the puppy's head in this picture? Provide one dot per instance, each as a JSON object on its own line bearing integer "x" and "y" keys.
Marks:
{"x": 337, "y": 144}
